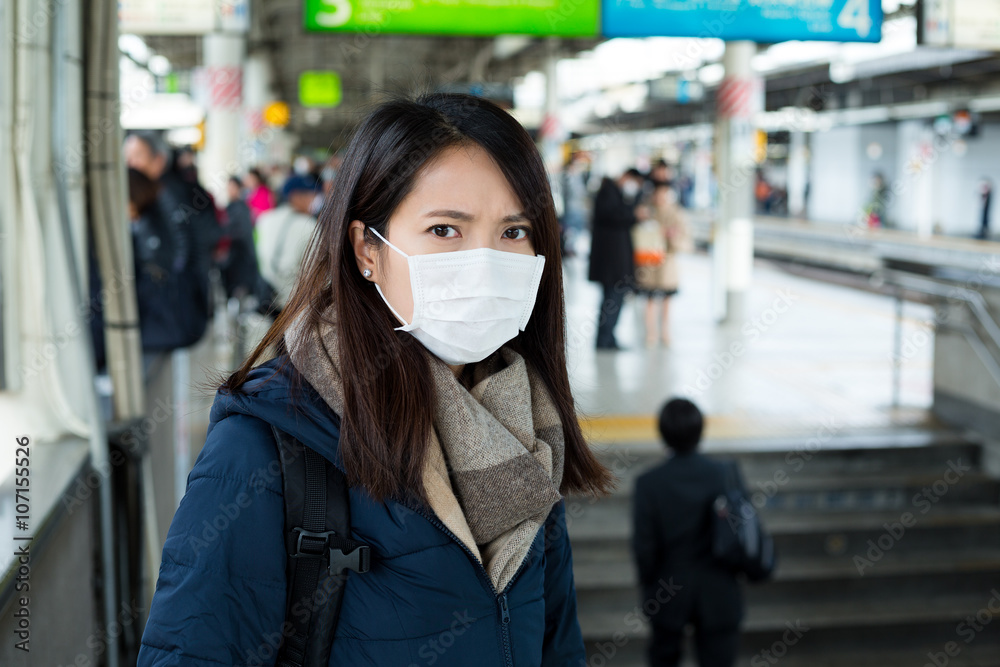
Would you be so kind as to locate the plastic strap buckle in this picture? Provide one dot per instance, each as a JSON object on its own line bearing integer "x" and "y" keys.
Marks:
{"x": 310, "y": 549}
{"x": 357, "y": 559}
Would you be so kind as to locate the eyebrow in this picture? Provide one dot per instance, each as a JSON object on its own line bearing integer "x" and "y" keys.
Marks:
{"x": 466, "y": 217}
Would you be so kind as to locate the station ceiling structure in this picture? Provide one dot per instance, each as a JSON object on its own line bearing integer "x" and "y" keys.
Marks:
{"x": 371, "y": 65}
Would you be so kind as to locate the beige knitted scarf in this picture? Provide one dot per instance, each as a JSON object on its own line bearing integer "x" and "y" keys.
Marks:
{"x": 495, "y": 457}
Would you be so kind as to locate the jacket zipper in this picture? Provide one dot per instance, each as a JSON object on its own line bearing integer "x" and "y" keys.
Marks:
{"x": 505, "y": 629}
{"x": 501, "y": 597}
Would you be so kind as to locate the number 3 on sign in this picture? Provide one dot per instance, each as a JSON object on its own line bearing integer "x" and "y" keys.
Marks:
{"x": 855, "y": 16}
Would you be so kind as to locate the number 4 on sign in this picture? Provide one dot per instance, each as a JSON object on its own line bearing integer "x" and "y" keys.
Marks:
{"x": 855, "y": 16}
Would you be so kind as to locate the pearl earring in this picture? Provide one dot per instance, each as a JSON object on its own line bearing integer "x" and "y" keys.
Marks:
{"x": 367, "y": 273}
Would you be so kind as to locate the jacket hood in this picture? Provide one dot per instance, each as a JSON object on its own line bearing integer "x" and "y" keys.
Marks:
{"x": 275, "y": 392}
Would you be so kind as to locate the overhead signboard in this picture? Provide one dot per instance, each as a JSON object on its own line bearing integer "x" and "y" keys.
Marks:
{"x": 566, "y": 18}
{"x": 182, "y": 17}
{"x": 319, "y": 89}
{"x": 964, "y": 24}
{"x": 756, "y": 20}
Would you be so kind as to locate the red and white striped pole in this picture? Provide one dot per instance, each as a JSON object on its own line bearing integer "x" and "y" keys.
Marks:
{"x": 225, "y": 54}
{"x": 739, "y": 97}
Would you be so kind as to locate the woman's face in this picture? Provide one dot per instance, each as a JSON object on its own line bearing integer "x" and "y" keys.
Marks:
{"x": 460, "y": 201}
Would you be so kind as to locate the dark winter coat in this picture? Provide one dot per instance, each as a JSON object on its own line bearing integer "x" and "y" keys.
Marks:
{"x": 611, "y": 261}
{"x": 220, "y": 596}
{"x": 672, "y": 544}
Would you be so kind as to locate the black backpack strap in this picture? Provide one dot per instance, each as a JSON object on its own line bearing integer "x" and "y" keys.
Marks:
{"x": 317, "y": 523}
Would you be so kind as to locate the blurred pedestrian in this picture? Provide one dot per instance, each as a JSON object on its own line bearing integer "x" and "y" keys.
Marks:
{"x": 283, "y": 235}
{"x": 657, "y": 240}
{"x": 876, "y": 207}
{"x": 190, "y": 224}
{"x": 762, "y": 192}
{"x": 576, "y": 202}
{"x": 672, "y": 546}
{"x": 239, "y": 267}
{"x": 259, "y": 196}
{"x": 661, "y": 174}
{"x": 985, "y": 199}
{"x": 611, "y": 261}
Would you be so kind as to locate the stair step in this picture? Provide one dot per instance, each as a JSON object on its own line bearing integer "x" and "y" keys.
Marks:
{"x": 812, "y": 597}
{"x": 604, "y": 521}
{"x": 800, "y": 458}
{"x": 600, "y": 573}
{"x": 632, "y": 654}
{"x": 842, "y": 614}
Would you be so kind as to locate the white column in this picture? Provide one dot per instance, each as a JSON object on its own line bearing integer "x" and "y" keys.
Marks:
{"x": 703, "y": 173}
{"x": 256, "y": 95}
{"x": 739, "y": 97}
{"x": 224, "y": 56}
{"x": 798, "y": 174}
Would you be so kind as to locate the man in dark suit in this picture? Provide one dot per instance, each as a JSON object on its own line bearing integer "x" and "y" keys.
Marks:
{"x": 672, "y": 543}
{"x": 611, "y": 261}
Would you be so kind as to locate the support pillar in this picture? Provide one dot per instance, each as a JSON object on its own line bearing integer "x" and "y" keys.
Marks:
{"x": 224, "y": 56}
{"x": 739, "y": 97}
{"x": 798, "y": 174}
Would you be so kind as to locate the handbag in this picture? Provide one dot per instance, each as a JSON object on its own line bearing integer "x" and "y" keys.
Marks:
{"x": 739, "y": 541}
{"x": 650, "y": 246}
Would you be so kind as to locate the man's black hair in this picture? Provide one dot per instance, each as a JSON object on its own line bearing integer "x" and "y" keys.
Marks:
{"x": 681, "y": 425}
{"x": 634, "y": 173}
{"x": 154, "y": 142}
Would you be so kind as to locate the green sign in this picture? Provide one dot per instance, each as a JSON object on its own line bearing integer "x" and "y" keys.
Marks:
{"x": 566, "y": 18}
{"x": 319, "y": 89}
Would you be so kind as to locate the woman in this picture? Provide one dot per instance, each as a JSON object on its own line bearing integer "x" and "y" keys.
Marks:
{"x": 421, "y": 351}
{"x": 657, "y": 242}
{"x": 259, "y": 196}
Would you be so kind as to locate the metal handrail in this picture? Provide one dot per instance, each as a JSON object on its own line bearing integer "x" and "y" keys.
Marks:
{"x": 972, "y": 299}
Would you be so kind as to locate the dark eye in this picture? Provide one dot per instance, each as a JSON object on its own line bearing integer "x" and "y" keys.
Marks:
{"x": 517, "y": 233}
{"x": 443, "y": 231}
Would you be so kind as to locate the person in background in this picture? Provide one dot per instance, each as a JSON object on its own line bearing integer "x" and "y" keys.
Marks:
{"x": 611, "y": 261}
{"x": 325, "y": 177}
{"x": 239, "y": 266}
{"x": 762, "y": 193}
{"x": 576, "y": 205}
{"x": 152, "y": 257}
{"x": 876, "y": 206}
{"x": 191, "y": 223}
{"x": 185, "y": 164}
{"x": 657, "y": 241}
{"x": 661, "y": 174}
{"x": 259, "y": 196}
{"x": 985, "y": 198}
{"x": 672, "y": 545}
{"x": 283, "y": 235}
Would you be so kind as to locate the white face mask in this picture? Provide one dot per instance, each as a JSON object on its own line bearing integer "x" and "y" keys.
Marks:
{"x": 468, "y": 303}
{"x": 630, "y": 189}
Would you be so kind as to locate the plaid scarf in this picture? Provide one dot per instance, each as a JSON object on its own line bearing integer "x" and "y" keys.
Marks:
{"x": 495, "y": 458}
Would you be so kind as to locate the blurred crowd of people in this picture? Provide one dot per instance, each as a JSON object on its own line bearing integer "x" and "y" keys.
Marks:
{"x": 181, "y": 235}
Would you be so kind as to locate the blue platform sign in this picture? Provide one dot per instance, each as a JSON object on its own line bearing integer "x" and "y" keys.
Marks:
{"x": 756, "y": 20}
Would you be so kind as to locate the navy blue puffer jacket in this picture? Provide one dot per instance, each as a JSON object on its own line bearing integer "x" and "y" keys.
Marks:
{"x": 220, "y": 596}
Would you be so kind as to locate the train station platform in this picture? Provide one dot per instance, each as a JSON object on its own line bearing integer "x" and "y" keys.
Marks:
{"x": 809, "y": 354}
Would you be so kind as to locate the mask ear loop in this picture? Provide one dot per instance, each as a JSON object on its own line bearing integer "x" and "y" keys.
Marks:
{"x": 378, "y": 288}
{"x": 386, "y": 241}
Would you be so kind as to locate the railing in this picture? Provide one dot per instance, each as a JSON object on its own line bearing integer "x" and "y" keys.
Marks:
{"x": 902, "y": 282}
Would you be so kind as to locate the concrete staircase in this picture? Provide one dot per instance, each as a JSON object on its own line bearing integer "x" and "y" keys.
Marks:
{"x": 887, "y": 544}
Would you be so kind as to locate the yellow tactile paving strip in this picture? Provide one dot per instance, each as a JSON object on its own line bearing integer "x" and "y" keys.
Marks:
{"x": 642, "y": 428}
